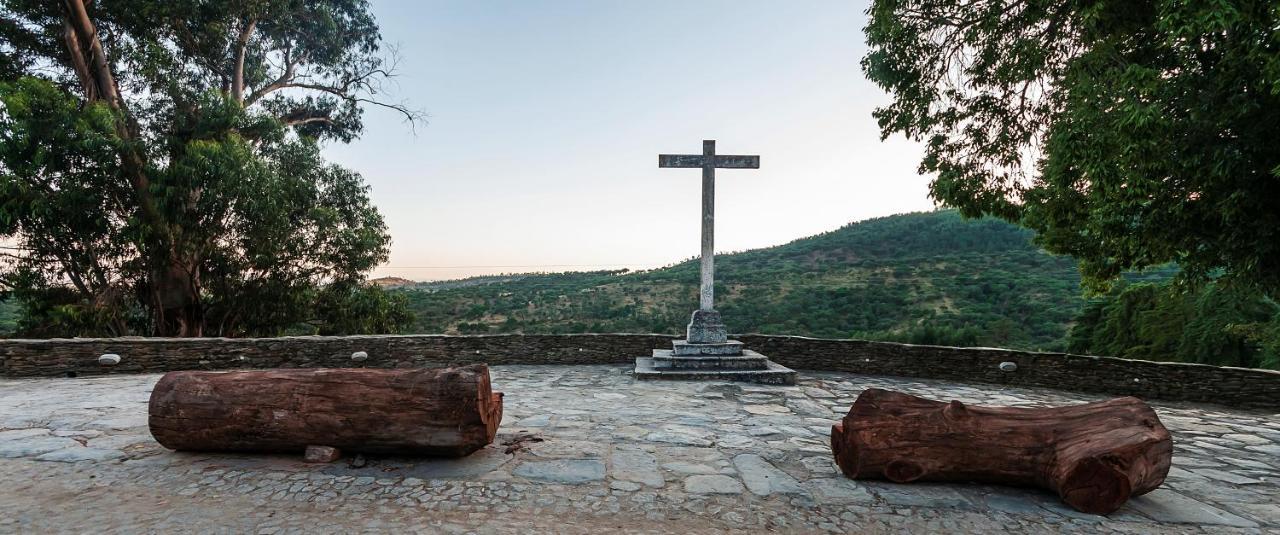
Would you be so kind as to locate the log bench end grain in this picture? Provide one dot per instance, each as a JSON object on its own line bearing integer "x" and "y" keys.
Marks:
{"x": 448, "y": 412}
{"x": 1094, "y": 455}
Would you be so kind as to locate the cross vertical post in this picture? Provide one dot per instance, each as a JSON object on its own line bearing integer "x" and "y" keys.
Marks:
{"x": 706, "y": 294}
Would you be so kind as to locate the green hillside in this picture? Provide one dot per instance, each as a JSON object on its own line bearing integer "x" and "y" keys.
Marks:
{"x": 923, "y": 278}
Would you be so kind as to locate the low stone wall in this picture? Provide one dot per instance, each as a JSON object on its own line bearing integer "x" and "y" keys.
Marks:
{"x": 1171, "y": 381}
{"x": 1151, "y": 380}
{"x": 58, "y": 357}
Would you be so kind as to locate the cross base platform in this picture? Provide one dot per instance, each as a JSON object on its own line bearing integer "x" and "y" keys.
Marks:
{"x": 726, "y": 361}
{"x": 744, "y": 360}
{"x": 773, "y": 373}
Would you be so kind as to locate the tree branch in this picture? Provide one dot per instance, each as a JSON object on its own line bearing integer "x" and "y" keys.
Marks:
{"x": 242, "y": 45}
{"x": 300, "y": 118}
{"x": 78, "y": 63}
{"x": 291, "y": 64}
{"x": 101, "y": 77}
{"x": 100, "y": 85}
{"x": 410, "y": 115}
{"x": 347, "y": 88}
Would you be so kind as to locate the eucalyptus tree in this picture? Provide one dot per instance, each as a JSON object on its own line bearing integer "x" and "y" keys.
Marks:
{"x": 1127, "y": 133}
{"x": 160, "y": 166}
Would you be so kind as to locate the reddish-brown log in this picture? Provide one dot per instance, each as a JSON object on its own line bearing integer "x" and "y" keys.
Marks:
{"x": 1094, "y": 455}
{"x": 439, "y": 412}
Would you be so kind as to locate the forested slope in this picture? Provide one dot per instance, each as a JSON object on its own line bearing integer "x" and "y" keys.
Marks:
{"x": 924, "y": 277}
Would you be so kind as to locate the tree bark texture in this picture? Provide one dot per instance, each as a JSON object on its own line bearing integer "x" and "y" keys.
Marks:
{"x": 448, "y": 412}
{"x": 1094, "y": 456}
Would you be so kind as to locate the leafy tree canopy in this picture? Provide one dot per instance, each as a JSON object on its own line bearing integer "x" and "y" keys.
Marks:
{"x": 160, "y": 167}
{"x": 1127, "y": 133}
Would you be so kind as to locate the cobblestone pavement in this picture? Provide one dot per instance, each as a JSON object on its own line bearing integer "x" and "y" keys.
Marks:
{"x": 616, "y": 455}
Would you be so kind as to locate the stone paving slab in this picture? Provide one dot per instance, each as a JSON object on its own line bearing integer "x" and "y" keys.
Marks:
{"x": 616, "y": 454}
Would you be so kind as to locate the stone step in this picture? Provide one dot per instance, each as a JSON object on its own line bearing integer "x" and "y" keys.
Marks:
{"x": 685, "y": 348}
{"x": 746, "y": 360}
{"x": 774, "y": 374}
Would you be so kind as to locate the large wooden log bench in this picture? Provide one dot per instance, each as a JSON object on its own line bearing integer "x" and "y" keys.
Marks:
{"x": 435, "y": 412}
{"x": 1094, "y": 456}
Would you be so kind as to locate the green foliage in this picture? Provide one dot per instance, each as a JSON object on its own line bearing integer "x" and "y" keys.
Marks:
{"x": 361, "y": 309}
{"x": 927, "y": 278}
{"x": 1128, "y": 134}
{"x": 58, "y": 312}
{"x": 939, "y": 336}
{"x": 1266, "y": 337}
{"x": 9, "y": 316}
{"x": 1216, "y": 324}
{"x": 198, "y": 201}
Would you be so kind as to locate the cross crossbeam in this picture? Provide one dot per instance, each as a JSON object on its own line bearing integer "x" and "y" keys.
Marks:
{"x": 708, "y": 161}
{"x": 723, "y": 161}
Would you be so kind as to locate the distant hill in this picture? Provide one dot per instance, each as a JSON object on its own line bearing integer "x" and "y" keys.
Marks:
{"x": 392, "y": 282}
{"x": 924, "y": 278}
{"x": 434, "y": 286}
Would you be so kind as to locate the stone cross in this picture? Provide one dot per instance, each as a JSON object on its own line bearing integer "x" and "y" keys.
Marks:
{"x": 708, "y": 161}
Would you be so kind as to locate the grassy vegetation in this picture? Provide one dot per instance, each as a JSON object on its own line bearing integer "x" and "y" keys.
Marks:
{"x": 922, "y": 278}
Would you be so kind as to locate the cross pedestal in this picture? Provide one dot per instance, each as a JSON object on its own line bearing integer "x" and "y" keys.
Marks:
{"x": 707, "y": 352}
{"x": 706, "y": 327}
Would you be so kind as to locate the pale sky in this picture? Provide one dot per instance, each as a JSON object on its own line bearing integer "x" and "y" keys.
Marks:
{"x": 546, "y": 119}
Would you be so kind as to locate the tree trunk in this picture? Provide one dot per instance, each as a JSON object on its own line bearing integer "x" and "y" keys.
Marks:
{"x": 176, "y": 306}
{"x": 175, "y": 298}
{"x": 444, "y": 412}
{"x": 1094, "y": 455}
{"x": 242, "y": 45}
